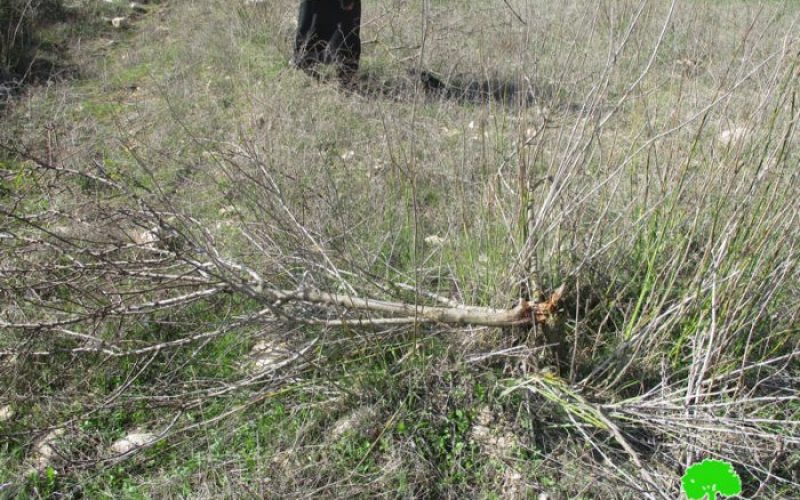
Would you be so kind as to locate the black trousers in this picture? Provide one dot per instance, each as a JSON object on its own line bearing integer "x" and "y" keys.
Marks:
{"x": 328, "y": 32}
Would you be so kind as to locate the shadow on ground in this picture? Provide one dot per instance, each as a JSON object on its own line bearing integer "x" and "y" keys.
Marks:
{"x": 463, "y": 89}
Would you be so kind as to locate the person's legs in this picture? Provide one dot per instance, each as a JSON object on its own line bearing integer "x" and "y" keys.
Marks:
{"x": 307, "y": 42}
{"x": 328, "y": 31}
{"x": 349, "y": 50}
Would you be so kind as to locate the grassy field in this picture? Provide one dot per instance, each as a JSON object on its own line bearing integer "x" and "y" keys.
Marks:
{"x": 186, "y": 223}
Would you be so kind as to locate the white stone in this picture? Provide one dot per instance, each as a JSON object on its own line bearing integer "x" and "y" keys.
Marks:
{"x": 731, "y": 136}
{"x": 434, "y": 240}
{"x": 119, "y": 22}
{"x": 145, "y": 238}
{"x": 132, "y": 441}
{"x": 266, "y": 355}
{"x": 353, "y": 421}
{"x": 6, "y": 413}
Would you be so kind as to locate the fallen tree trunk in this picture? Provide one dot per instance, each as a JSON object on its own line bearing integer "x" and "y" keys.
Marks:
{"x": 526, "y": 312}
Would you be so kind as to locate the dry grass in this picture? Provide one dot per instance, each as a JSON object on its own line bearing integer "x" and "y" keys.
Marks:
{"x": 151, "y": 202}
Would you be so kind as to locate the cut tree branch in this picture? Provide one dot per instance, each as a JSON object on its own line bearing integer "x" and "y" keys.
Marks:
{"x": 526, "y": 312}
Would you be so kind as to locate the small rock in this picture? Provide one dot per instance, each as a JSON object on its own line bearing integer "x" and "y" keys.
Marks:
{"x": 353, "y": 421}
{"x": 132, "y": 441}
{"x": 349, "y": 155}
{"x": 732, "y": 136}
{"x": 6, "y": 413}
{"x": 44, "y": 454}
{"x": 434, "y": 240}
{"x": 119, "y": 22}
{"x": 145, "y": 238}
{"x": 165, "y": 238}
{"x": 267, "y": 354}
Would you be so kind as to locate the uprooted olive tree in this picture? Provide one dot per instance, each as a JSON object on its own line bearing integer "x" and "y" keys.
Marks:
{"x": 91, "y": 263}
{"x": 223, "y": 244}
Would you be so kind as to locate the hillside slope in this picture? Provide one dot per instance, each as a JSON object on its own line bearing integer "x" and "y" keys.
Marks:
{"x": 220, "y": 277}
